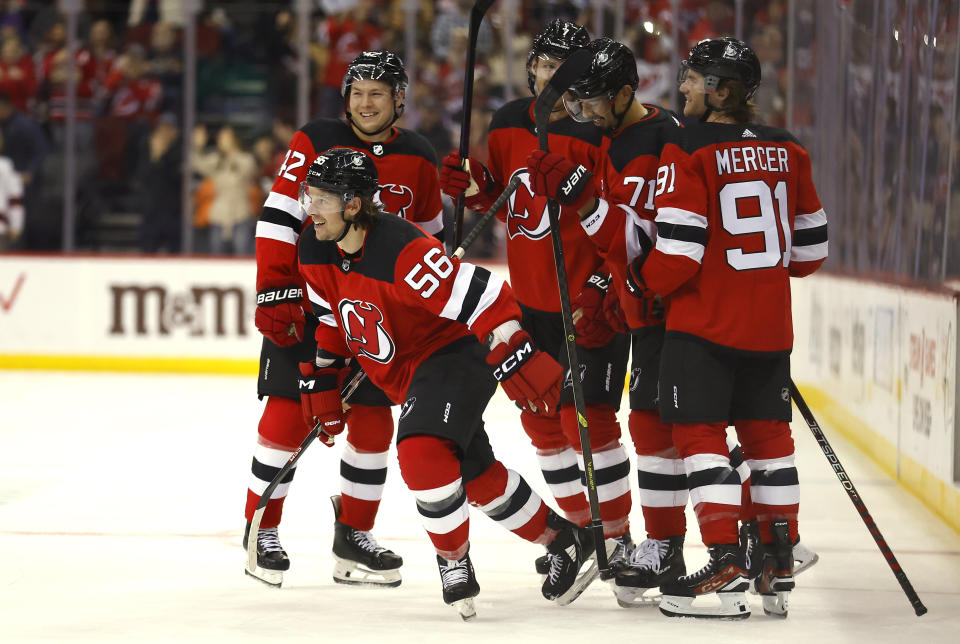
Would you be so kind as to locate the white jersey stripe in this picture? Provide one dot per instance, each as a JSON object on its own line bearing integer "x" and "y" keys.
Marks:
{"x": 489, "y": 296}
{"x": 315, "y": 299}
{"x": 681, "y": 217}
{"x": 266, "y": 230}
{"x": 808, "y": 253}
{"x": 812, "y": 220}
{"x": 433, "y": 226}
{"x": 668, "y": 246}
{"x": 287, "y": 204}
{"x": 461, "y": 284}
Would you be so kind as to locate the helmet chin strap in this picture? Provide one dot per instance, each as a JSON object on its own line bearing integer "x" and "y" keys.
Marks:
{"x": 349, "y": 224}
{"x": 619, "y": 117}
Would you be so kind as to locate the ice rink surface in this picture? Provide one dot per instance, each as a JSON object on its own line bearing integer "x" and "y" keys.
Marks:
{"x": 121, "y": 515}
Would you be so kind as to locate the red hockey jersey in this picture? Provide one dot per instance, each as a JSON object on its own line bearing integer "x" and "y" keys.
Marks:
{"x": 529, "y": 247}
{"x": 622, "y": 225}
{"x": 409, "y": 187}
{"x": 738, "y": 216}
{"x": 398, "y": 300}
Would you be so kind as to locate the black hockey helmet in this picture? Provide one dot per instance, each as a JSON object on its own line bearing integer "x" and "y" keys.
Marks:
{"x": 383, "y": 66}
{"x": 612, "y": 67}
{"x": 719, "y": 58}
{"x": 343, "y": 171}
{"x": 557, "y": 40}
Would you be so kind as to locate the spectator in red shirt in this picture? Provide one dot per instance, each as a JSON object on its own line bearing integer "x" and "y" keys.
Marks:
{"x": 343, "y": 36}
{"x": 133, "y": 94}
{"x": 17, "y": 75}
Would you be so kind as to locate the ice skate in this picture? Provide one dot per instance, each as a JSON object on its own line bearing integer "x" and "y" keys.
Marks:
{"x": 271, "y": 558}
{"x": 776, "y": 575}
{"x": 619, "y": 550}
{"x": 572, "y": 559}
{"x": 359, "y": 559}
{"x": 653, "y": 563}
{"x": 803, "y": 557}
{"x": 752, "y": 548}
{"x": 459, "y": 585}
{"x": 725, "y": 574}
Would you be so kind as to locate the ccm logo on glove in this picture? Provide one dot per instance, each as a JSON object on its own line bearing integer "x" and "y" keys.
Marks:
{"x": 513, "y": 362}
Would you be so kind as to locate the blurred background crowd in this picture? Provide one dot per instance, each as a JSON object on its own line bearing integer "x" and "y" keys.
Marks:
{"x": 157, "y": 126}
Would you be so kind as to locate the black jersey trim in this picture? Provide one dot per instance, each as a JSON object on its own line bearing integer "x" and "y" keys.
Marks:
{"x": 478, "y": 285}
{"x": 279, "y": 217}
{"x": 680, "y": 232}
{"x": 810, "y": 236}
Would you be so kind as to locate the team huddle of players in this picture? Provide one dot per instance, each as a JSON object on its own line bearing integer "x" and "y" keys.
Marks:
{"x": 679, "y": 242}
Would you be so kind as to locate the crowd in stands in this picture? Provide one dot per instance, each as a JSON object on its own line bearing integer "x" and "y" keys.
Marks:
{"x": 129, "y": 73}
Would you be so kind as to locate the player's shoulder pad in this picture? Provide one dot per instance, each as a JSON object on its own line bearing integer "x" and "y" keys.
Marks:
{"x": 413, "y": 144}
{"x": 516, "y": 113}
{"x": 703, "y": 135}
{"x": 587, "y": 132}
{"x": 646, "y": 137}
{"x": 326, "y": 133}
{"x": 386, "y": 240}
{"x": 313, "y": 252}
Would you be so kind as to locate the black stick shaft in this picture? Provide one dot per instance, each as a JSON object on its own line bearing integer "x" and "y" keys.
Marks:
{"x": 476, "y": 17}
{"x": 348, "y": 388}
{"x": 857, "y": 500}
{"x": 542, "y": 108}
{"x": 487, "y": 216}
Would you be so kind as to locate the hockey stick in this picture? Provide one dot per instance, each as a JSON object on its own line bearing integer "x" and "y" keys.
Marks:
{"x": 476, "y": 17}
{"x": 348, "y": 388}
{"x": 487, "y": 216}
{"x": 858, "y": 503}
{"x": 575, "y": 66}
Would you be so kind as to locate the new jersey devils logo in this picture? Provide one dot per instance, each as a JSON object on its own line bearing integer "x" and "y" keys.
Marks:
{"x": 362, "y": 324}
{"x": 395, "y": 198}
{"x": 527, "y": 212}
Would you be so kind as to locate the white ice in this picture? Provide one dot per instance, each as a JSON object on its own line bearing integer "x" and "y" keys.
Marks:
{"x": 121, "y": 514}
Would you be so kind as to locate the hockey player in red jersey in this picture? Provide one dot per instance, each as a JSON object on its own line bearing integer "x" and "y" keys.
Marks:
{"x": 373, "y": 93}
{"x": 738, "y": 216}
{"x": 603, "y": 359}
{"x": 385, "y": 292}
{"x": 618, "y": 219}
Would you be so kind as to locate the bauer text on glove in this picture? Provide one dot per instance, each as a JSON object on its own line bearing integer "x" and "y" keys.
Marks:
{"x": 279, "y": 315}
{"x": 556, "y": 177}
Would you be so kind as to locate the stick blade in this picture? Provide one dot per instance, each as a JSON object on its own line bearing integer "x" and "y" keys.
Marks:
{"x": 576, "y": 65}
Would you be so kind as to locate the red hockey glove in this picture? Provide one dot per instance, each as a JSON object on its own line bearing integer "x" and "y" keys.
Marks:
{"x": 651, "y": 306}
{"x": 476, "y": 185}
{"x": 556, "y": 177}
{"x": 320, "y": 400}
{"x": 613, "y": 312}
{"x": 530, "y": 377}
{"x": 279, "y": 315}
{"x": 590, "y": 323}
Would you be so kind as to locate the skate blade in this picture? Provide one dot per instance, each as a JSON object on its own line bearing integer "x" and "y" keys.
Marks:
{"x": 777, "y": 605}
{"x": 465, "y": 608}
{"x": 272, "y": 578}
{"x": 630, "y": 597}
{"x": 353, "y": 574}
{"x": 803, "y": 558}
{"x": 732, "y": 606}
{"x": 587, "y": 575}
